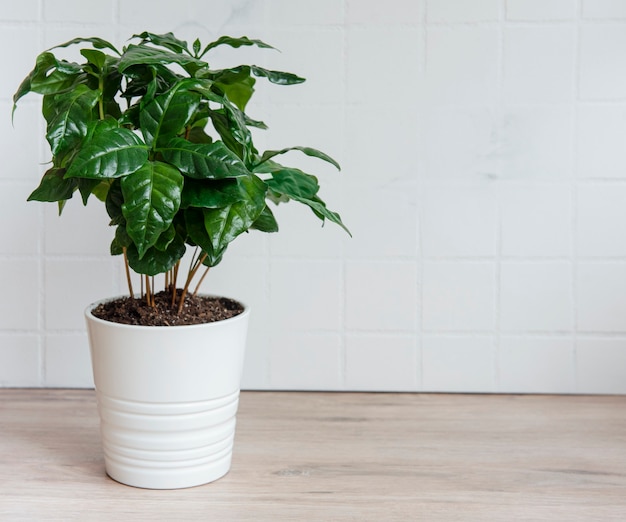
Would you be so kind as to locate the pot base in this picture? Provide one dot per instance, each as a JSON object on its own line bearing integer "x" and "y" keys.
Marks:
{"x": 167, "y": 445}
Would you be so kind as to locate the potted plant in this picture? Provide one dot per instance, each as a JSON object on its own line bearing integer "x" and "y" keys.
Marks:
{"x": 165, "y": 143}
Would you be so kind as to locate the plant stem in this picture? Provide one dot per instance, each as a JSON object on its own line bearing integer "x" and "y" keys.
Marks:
{"x": 190, "y": 276}
{"x": 148, "y": 291}
{"x": 174, "y": 280}
{"x": 100, "y": 98}
{"x": 195, "y": 292}
{"x": 128, "y": 280}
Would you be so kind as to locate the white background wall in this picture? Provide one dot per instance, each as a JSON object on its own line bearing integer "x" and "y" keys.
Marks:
{"x": 483, "y": 145}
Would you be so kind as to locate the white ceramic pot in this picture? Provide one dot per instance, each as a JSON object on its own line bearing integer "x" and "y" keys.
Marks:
{"x": 167, "y": 399}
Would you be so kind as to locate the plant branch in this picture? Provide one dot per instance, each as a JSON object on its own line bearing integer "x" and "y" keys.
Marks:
{"x": 190, "y": 276}
{"x": 128, "y": 280}
{"x": 195, "y": 292}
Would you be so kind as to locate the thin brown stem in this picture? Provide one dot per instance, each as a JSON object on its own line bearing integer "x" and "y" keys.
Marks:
{"x": 153, "y": 287}
{"x": 128, "y": 280}
{"x": 206, "y": 271}
{"x": 190, "y": 276}
{"x": 174, "y": 281}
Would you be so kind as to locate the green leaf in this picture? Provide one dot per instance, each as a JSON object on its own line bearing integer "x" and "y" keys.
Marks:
{"x": 239, "y": 92}
{"x": 266, "y": 222}
{"x": 112, "y": 153}
{"x": 73, "y": 113}
{"x": 114, "y": 202}
{"x": 143, "y": 55}
{"x": 198, "y": 235}
{"x": 151, "y": 199}
{"x": 165, "y": 116}
{"x": 156, "y": 261}
{"x": 86, "y": 187}
{"x": 167, "y": 40}
{"x": 268, "y": 154}
{"x": 98, "y": 43}
{"x": 97, "y": 58}
{"x": 211, "y": 193}
{"x": 165, "y": 239}
{"x": 41, "y": 80}
{"x": 277, "y": 77}
{"x": 225, "y": 224}
{"x": 235, "y": 42}
{"x": 204, "y": 161}
{"x": 53, "y": 187}
{"x": 293, "y": 183}
{"x": 120, "y": 241}
{"x": 319, "y": 209}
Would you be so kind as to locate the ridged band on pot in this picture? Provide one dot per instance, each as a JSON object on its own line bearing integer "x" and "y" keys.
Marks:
{"x": 167, "y": 399}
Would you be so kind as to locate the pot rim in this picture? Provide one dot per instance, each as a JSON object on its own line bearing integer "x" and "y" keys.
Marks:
{"x": 90, "y": 317}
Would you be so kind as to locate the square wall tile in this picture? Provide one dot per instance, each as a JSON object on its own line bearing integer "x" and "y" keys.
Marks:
{"x": 601, "y": 141}
{"x": 70, "y": 286}
{"x": 461, "y": 65}
{"x": 306, "y": 295}
{"x": 460, "y": 143}
{"x": 539, "y": 64}
{"x": 459, "y": 220}
{"x": 383, "y": 222}
{"x": 381, "y": 363}
{"x": 306, "y": 361}
{"x": 601, "y": 365}
{"x": 536, "y": 296}
{"x": 381, "y": 296}
{"x": 458, "y": 364}
{"x": 77, "y": 11}
{"x": 24, "y": 45}
{"x": 288, "y": 13}
{"x": 378, "y": 140}
{"x": 536, "y": 142}
{"x": 79, "y": 230}
{"x": 68, "y": 362}
{"x": 392, "y": 12}
{"x": 609, "y": 9}
{"x": 459, "y": 296}
{"x": 536, "y": 220}
{"x": 541, "y": 10}
{"x": 600, "y": 217}
{"x": 19, "y": 361}
{"x": 20, "y": 234}
{"x": 374, "y": 55}
{"x": 452, "y": 11}
{"x": 19, "y": 307}
{"x": 536, "y": 365}
{"x": 601, "y": 297}
{"x": 24, "y": 137}
{"x": 602, "y": 76}
{"x": 301, "y": 234}
{"x": 314, "y": 54}
{"x": 25, "y": 10}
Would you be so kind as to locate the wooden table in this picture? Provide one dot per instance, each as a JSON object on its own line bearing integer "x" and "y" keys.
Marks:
{"x": 335, "y": 457}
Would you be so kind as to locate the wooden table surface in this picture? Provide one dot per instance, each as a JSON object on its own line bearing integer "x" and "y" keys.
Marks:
{"x": 337, "y": 456}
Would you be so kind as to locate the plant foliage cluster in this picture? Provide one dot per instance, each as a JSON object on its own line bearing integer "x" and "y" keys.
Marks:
{"x": 165, "y": 142}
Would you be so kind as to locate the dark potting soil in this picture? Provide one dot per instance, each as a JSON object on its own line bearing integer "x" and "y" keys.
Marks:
{"x": 196, "y": 310}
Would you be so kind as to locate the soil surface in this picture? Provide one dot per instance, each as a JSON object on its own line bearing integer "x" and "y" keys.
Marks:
{"x": 196, "y": 310}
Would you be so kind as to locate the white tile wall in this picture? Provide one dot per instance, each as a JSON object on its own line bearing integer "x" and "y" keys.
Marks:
{"x": 483, "y": 154}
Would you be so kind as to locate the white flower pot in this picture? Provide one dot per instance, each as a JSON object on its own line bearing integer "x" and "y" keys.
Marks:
{"x": 167, "y": 399}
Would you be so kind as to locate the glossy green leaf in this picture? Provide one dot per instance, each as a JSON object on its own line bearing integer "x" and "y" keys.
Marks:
{"x": 306, "y": 150}
{"x": 293, "y": 183}
{"x": 94, "y": 57}
{"x": 140, "y": 55}
{"x": 225, "y": 224}
{"x": 319, "y": 209}
{"x": 151, "y": 199}
{"x": 235, "y": 42}
{"x": 266, "y": 222}
{"x": 98, "y": 43}
{"x": 166, "y": 116}
{"x": 120, "y": 241}
{"x": 112, "y": 153}
{"x": 86, "y": 188}
{"x": 167, "y": 40}
{"x": 277, "y": 77}
{"x": 204, "y": 161}
{"x": 156, "y": 261}
{"x": 239, "y": 92}
{"x": 211, "y": 193}
{"x": 53, "y": 187}
{"x": 74, "y": 112}
{"x": 114, "y": 202}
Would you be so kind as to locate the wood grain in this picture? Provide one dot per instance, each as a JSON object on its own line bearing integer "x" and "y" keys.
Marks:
{"x": 325, "y": 456}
